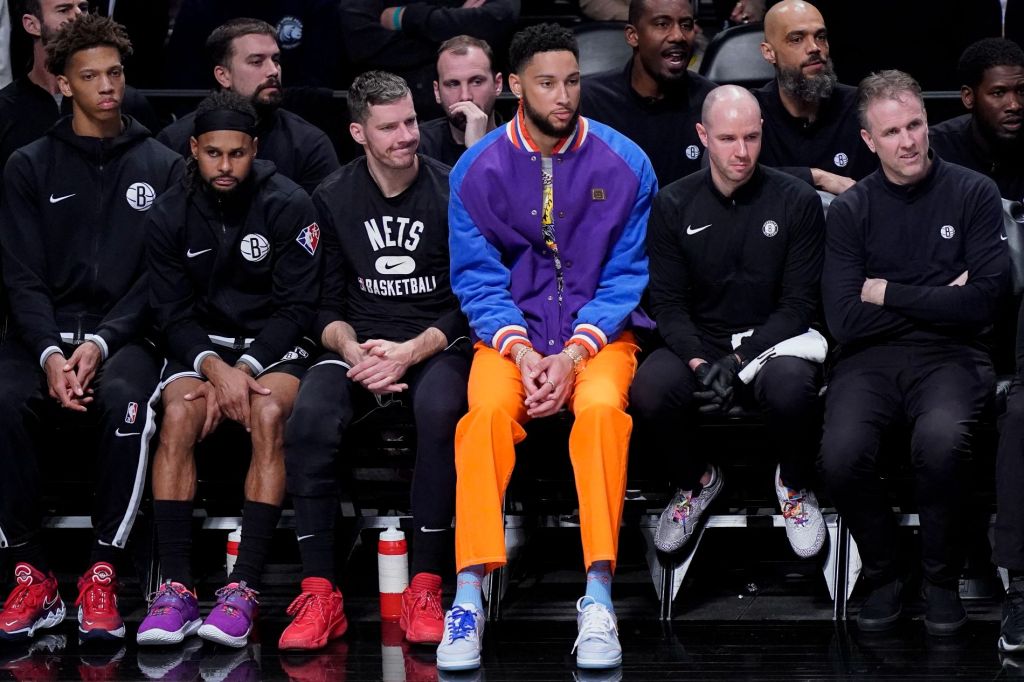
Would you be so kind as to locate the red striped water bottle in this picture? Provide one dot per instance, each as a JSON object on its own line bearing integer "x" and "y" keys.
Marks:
{"x": 392, "y": 572}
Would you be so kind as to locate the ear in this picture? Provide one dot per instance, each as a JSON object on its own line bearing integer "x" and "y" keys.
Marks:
{"x": 193, "y": 147}
{"x": 498, "y": 83}
{"x": 967, "y": 97}
{"x": 255, "y": 146}
{"x": 65, "y": 86}
{"x": 702, "y": 133}
{"x": 632, "y": 39}
{"x": 515, "y": 85}
{"x": 866, "y": 136}
{"x": 768, "y": 53}
{"x": 32, "y": 25}
{"x": 356, "y": 131}
{"x": 223, "y": 76}
{"x": 437, "y": 92}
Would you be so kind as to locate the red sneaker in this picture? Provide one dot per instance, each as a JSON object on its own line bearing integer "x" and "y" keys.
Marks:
{"x": 319, "y": 616}
{"x": 422, "y": 617}
{"x": 98, "y": 617}
{"x": 34, "y": 604}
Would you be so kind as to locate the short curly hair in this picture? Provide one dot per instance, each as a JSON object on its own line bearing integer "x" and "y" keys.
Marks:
{"x": 540, "y": 38}
{"x": 226, "y": 100}
{"x": 84, "y": 33}
{"x": 982, "y": 55}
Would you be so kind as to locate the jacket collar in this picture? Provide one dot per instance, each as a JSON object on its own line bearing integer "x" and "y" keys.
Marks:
{"x": 520, "y": 136}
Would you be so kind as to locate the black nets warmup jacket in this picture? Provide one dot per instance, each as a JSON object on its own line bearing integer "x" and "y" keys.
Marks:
{"x": 241, "y": 266}
{"x": 73, "y": 232}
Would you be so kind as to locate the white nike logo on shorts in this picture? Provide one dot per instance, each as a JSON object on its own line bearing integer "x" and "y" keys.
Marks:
{"x": 192, "y": 254}
{"x": 690, "y": 230}
{"x": 57, "y": 200}
{"x": 118, "y": 433}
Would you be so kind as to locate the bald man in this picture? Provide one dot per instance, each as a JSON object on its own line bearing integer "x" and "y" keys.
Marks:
{"x": 736, "y": 253}
{"x": 811, "y": 128}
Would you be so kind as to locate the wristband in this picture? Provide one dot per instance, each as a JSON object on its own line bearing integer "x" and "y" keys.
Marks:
{"x": 396, "y": 18}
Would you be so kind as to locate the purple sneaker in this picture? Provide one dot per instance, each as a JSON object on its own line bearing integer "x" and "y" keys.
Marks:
{"x": 173, "y": 616}
{"x": 232, "y": 617}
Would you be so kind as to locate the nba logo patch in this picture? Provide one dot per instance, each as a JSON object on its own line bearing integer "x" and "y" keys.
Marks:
{"x": 132, "y": 413}
{"x": 309, "y": 238}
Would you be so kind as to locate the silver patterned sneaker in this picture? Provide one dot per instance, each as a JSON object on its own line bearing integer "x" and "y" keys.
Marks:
{"x": 683, "y": 514}
{"x": 805, "y": 526}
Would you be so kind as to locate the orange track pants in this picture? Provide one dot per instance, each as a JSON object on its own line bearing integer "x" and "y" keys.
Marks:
{"x": 598, "y": 447}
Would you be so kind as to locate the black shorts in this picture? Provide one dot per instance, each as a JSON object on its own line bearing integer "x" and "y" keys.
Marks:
{"x": 295, "y": 363}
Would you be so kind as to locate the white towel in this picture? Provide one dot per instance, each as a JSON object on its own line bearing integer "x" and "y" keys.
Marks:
{"x": 810, "y": 346}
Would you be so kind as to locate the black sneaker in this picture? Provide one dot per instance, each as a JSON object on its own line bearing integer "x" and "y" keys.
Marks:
{"x": 1011, "y": 632}
{"x": 882, "y": 608}
{"x": 944, "y": 614}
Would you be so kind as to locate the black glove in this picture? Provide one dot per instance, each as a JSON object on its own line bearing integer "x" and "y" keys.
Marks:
{"x": 718, "y": 380}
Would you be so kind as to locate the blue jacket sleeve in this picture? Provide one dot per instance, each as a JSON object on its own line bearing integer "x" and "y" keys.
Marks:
{"x": 480, "y": 280}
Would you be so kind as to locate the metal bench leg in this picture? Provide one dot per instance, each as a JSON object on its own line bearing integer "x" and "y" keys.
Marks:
{"x": 668, "y": 572}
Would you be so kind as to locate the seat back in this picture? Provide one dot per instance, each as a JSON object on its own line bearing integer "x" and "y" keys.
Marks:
{"x": 734, "y": 56}
{"x": 602, "y": 46}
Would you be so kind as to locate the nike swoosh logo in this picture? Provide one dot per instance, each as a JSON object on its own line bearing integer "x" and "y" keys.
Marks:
{"x": 10, "y": 623}
{"x": 192, "y": 254}
{"x": 47, "y": 604}
{"x": 392, "y": 266}
{"x": 1003, "y": 237}
{"x": 304, "y": 537}
{"x": 424, "y": 529}
{"x": 118, "y": 433}
{"x": 57, "y": 200}
{"x": 690, "y": 230}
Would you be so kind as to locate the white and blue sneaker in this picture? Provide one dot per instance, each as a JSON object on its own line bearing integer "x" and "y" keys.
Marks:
{"x": 597, "y": 646}
{"x": 462, "y": 639}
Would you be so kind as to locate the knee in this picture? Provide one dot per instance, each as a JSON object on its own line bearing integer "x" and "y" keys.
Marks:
{"x": 268, "y": 415}
{"x": 114, "y": 394}
{"x": 439, "y": 412}
{"x": 177, "y": 426}
{"x": 315, "y": 423}
{"x": 940, "y": 441}
{"x": 599, "y": 410}
{"x": 792, "y": 387}
{"x": 844, "y": 459}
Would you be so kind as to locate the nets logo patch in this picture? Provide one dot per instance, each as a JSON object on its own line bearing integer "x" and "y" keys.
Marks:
{"x": 770, "y": 228}
{"x": 255, "y": 247}
{"x": 140, "y": 196}
{"x": 841, "y": 160}
{"x": 289, "y": 32}
{"x": 947, "y": 231}
{"x": 309, "y": 238}
{"x": 693, "y": 152}
{"x": 131, "y": 413}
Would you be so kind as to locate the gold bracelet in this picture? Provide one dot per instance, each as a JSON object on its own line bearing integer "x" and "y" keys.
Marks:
{"x": 520, "y": 354}
{"x": 577, "y": 358}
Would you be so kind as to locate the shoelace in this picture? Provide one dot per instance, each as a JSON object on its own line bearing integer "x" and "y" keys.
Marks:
{"x": 596, "y": 623}
{"x": 167, "y": 589}
{"x": 427, "y": 601}
{"x": 242, "y": 590}
{"x": 301, "y": 605}
{"x": 682, "y": 509}
{"x": 793, "y": 508}
{"x": 461, "y": 624}
{"x": 96, "y": 595}
{"x": 16, "y": 602}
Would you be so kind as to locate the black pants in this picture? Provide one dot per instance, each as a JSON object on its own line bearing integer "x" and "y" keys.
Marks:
{"x": 122, "y": 415}
{"x": 786, "y": 390}
{"x": 939, "y": 392}
{"x": 325, "y": 406}
{"x": 1009, "y": 537}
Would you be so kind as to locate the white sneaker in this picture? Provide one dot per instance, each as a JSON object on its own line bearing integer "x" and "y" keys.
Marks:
{"x": 462, "y": 639}
{"x": 805, "y": 526}
{"x": 597, "y": 645}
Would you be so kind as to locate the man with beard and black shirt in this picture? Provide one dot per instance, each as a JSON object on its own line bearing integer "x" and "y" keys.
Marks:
{"x": 655, "y": 101}
{"x": 810, "y": 120}
{"x": 736, "y": 255}
{"x": 393, "y": 332}
{"x": 247, "y": 57}
{"x": 73, "y": 238}
{"x": 914, "y": 269}
{"x": 234, "y": 275}
{"x": 31, "y": 104}
{"x": 988, "y": 139}
{"x": 467, "y": 87}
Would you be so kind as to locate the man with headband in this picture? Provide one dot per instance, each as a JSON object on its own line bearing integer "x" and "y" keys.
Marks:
{"x": 810, "y": 120}
{"x": 234, "y": 276}
{"x": 74, "y": 209}
{"x": 246, "y": 60}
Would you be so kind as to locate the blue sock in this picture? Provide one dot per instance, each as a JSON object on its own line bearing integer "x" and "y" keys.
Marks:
{"x": 468, "y": 591}
{"x": 599, "y": 583}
